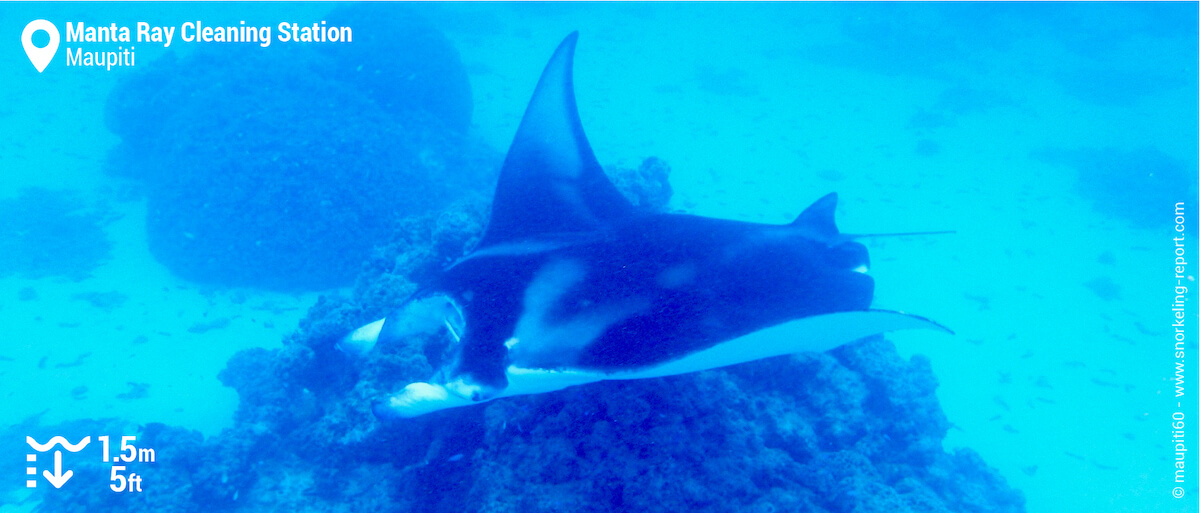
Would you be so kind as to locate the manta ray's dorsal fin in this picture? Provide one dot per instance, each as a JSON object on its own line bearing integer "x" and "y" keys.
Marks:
{"x": 817, "y": 219}
{"x": 551, "y": 182}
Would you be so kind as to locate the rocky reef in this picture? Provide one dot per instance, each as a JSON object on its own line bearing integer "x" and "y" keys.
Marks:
{"x": 857, "y": 429}
{"x": 280, "y": 167}
{"x": 1138, "y": 186}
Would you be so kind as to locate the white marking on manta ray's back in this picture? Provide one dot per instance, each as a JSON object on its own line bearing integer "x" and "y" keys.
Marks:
{"x": 677, "y": 276}
{"x": 539, "y": 338}
{"x": 816, "y": 333}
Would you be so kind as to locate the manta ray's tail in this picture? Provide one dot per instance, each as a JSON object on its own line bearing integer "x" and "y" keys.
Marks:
{"x": 817, "y": 221}
{"x": 899, "y": 234}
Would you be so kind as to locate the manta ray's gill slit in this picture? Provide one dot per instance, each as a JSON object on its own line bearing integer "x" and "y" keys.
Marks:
{"x": 454, "y": 320}
{"x": 454, "y": 334}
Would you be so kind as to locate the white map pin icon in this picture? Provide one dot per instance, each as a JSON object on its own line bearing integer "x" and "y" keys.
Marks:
{"x": 40, "y": 57}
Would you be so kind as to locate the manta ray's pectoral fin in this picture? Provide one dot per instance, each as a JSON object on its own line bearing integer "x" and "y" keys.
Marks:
{"x": 808, "y": 334}
{"x": 815, "y": 333}
{"x": 551, "y": 182}
{"x": 420, "y": 398}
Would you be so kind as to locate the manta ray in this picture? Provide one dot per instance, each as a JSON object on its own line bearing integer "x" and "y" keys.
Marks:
{"x": 570, "y": 284}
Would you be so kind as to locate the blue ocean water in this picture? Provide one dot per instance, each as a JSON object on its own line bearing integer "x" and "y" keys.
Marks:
{"x": 1054, "y": 139}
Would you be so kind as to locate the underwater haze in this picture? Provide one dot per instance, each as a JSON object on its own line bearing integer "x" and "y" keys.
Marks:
{"x": 188, "y": 232}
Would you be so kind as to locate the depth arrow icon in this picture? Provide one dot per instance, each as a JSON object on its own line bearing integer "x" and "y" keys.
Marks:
{"x": 58, "y": 478}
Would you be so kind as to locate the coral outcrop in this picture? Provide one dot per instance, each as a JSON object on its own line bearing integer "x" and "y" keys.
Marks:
{"x": 281, "y": 167}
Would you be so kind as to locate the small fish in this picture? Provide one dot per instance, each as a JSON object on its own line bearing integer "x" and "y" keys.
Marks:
{"x": 79, "y": 360}
{"x": 1146, "y": 331}
{"x": 204, "y": 327}
{"x": 136, "y": 391}
{"x": 984, "y": 302}
{"x": 1124, "y": 339}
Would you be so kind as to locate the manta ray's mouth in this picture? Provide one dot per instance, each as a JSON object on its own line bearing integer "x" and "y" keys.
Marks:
{"x": 860, "y": 269}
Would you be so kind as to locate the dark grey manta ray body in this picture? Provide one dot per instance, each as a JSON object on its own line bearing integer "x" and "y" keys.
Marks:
{"x": 570, "y": 284}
